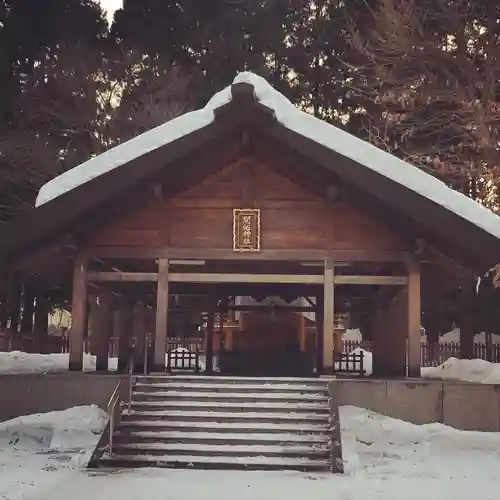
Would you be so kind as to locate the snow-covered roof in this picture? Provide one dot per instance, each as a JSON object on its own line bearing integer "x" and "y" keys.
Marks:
{"x": 295, "y": 120}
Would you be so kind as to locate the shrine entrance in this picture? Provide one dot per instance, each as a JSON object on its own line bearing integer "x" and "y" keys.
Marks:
{"x": 254, "y": 237}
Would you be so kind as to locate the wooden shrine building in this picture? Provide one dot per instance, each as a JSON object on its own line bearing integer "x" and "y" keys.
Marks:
{"x": 248, "y": 197}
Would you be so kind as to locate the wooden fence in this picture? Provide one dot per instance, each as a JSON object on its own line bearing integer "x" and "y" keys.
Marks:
{"x": 431, "y": 354}
{"x": 436, "y": 354}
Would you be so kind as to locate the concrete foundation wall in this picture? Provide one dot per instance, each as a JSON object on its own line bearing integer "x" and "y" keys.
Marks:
{"x": 24, "y": 394}
{"x": 459, "y": 405}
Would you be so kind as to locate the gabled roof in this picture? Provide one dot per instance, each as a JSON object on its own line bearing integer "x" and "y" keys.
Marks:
{"x": 419, "y": 196}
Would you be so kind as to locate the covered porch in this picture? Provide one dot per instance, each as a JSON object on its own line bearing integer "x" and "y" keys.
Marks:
{"x": 165, "y": 299}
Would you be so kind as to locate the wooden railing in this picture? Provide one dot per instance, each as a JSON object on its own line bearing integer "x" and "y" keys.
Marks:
{"x": 436, "y": 354}
{"x": 349, "y": 362}
{"x": 431, "y": 354}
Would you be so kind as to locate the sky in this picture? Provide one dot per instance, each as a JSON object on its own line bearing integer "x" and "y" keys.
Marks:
{"x": 110, "y": 6}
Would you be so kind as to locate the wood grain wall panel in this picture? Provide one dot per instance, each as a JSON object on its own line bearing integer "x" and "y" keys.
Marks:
{"x": 354, "y": 229}
{"x": 290, "y": 228}
{"x": 291, "y": 217}
{"x": 201, "y": 227}
{"x": 127, "y": 238}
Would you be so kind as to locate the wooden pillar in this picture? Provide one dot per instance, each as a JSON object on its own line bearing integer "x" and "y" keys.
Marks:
{"x": 228, "y": 339}
{"x": 14, "y": 305}
{"x": 93, "y": 319}
{"x": 78, "y": 314}
{"x": 302, "y": 332}
{"x": 28, "y": 309}
{"x": 466, "y": 335}
{"x": 413, "y": 320}
{"x": 41, "y": 322}
{"x": 319, "y": 314}
{"x": 139, "y": 333}
{"x": 379, "y": 347}
{"x": 394, "y": 331}
{"x": 222, "y": 340}
{"x": 150, "y": 329}
{"x": 329, "y": 317}
{"x": 467, "y": 305}
{"x": 160, "y": 341}
{"x": 125, "y": 318}
{"x": 103, "y": 330}
{"x": 4, "y": 312}
{"x": 209, "y": 347}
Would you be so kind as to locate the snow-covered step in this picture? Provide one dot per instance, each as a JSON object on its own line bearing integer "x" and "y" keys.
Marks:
{"x": 277, "y": 416}
{"x": 304, "y": 428}
{"x": 233, "y": 396}
{"x": 187, "y": 421}
{"x": 259, "y": 437}
{"x": 219, "y": 379}
{"x": 207, "y": 462}
{"x": 233, "y": 405}
{"x": 217, "y": 450}
{"x": 170, "y": 385}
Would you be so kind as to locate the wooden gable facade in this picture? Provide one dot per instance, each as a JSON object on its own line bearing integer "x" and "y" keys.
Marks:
{"x": 293, "y": 218}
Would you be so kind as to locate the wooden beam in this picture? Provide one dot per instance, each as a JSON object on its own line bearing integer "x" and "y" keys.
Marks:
{"x": 413, "y": 318}
{"x": 297, "y": 255}
{"x": 120, "y": 276}
{"x": 256, "y": 308}
{"x": 370, "y": 280}
{"x": 253, "y": 308}
{"x": 160, "y": 341}
{"x": 78, "y": 314}
{"x": 245, "y": 278}
{"x": 329, "y": 315}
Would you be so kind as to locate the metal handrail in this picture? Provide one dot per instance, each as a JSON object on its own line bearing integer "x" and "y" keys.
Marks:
{"x": 115, "y": 401}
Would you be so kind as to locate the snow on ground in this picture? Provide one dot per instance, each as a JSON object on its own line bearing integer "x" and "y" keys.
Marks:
{"x": 23, "y": 362}
{"x": 42, "y": 458}
{"x": 40, "y": 449}
{"x": 465, "y": 370}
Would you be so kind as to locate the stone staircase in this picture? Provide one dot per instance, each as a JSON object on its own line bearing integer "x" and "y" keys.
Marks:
{"x": 210, "y": 422}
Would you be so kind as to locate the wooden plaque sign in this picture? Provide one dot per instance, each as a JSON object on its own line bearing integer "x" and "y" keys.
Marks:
{"x": 246, "y": 229}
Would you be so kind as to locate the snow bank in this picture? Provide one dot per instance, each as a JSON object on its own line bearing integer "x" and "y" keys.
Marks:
{"x": 295, "y": 120}
{"x": 465, "y": 370}
{"x": 385, "y": 459}
{"x": 23, "y": 362}
{"x": 73, "y": 429}
{"x": 42, "y": 449}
